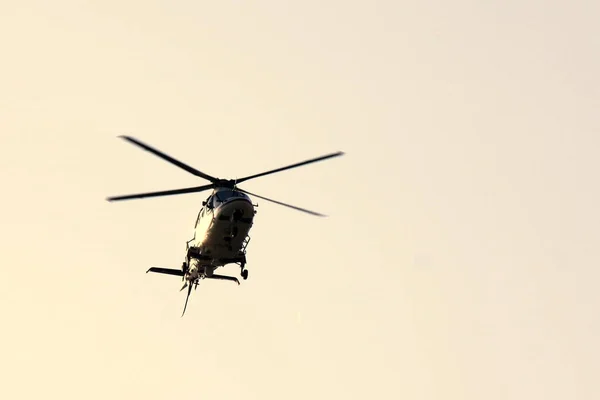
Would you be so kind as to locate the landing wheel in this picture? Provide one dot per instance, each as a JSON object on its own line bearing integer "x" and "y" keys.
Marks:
{"x": 245, "y": 274}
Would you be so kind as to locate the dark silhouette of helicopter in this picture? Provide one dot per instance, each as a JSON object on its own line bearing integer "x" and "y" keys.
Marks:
{"x": 223, "y": 223}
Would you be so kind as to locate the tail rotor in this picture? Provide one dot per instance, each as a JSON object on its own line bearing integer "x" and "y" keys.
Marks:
{"x": 188, "y": 295}
{"x": 190, "y": 279}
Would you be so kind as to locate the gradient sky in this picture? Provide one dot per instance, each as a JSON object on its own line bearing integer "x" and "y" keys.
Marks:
{"x": 460, "y": 259}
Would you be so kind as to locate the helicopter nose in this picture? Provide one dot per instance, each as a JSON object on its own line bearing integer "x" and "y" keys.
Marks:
{"x": 237, "y": 210}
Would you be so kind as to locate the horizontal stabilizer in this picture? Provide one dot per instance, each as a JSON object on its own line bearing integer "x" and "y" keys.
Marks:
{"x": 223, "y": 278}
{"x": 167, "y": 271}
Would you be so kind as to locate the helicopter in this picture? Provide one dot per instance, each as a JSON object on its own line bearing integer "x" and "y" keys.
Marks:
{"x": 222, "y": 227}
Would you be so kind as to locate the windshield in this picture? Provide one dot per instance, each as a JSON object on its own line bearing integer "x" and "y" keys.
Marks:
{"x": 226, "y": 194}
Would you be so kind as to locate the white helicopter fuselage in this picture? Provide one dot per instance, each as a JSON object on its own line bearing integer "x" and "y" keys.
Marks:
{"x": 222, "y": 225}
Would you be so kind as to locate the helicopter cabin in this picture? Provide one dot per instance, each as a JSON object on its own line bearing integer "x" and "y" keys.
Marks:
{"x": 223, "y": 224}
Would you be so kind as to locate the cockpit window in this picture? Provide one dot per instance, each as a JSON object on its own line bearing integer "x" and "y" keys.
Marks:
{"x": 226, "y": 194}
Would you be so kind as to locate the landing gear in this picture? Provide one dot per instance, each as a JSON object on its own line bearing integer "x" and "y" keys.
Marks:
{"x": 244, "y": 272}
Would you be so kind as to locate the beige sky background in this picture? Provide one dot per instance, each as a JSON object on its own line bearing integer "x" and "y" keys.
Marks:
{"x": 460, "y": 259}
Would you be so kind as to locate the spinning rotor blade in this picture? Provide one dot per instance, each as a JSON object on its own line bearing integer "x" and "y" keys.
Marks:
{"x": 169, "y": 159}
{"x": 283, "y": 204}
{"x": 194, "y": 189}
{"x": 312, "y": 160}
{"x": 187, "y": 298}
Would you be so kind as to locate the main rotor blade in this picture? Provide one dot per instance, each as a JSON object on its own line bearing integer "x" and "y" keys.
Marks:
{"x": 283, "y": 204}
{"x": 169, "y": 159}
{"x": 312, "y": 160}
{"x": 194, "y": 189}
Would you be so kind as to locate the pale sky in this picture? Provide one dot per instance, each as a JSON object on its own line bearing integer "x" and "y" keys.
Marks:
{"x": 460, "y": 259}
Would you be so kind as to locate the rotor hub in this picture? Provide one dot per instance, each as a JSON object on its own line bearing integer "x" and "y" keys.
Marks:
{"x": 226, "y": 183}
